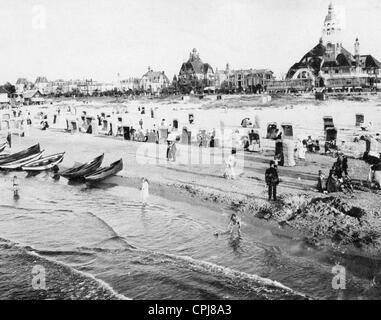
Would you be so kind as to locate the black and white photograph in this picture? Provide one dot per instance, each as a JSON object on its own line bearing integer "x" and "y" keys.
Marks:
{"x": 187, "y": 150}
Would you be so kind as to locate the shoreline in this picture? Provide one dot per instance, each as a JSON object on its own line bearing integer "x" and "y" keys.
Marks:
{"x": 299, "y": 207}
{"x": 23, "y": 260}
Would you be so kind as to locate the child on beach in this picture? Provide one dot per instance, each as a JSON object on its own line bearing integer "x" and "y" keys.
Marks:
{"x": 230, "y": 166}
{"x": 320, "y": 184}
{"x": 144, "y": 190}
{"x": 173, "y": 151}
{"x": 234, "y": 227}
{"x": 15, "y": 187}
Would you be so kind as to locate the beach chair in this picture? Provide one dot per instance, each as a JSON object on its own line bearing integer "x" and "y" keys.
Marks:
{"x": 4, "y": 125}
{"x": 163, "y": 135}
{"x": 330, "y": 134}
{"x": 328, "y": 122}
{"x": 271, "y": 130}
{"x": 288, "y": 131}
{"x": 288, "y": 153}
{"x": 152, "y": 137}
{"x": 74, "y": 127}
{"x": 359, "y": 119}
{"x": 126, "y": 133}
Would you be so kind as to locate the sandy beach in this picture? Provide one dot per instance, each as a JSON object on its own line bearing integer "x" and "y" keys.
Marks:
{"x": 321, "y": 219}
{"x": 190, "y": 157}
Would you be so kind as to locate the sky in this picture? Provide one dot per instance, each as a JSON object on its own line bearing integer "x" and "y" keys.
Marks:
{"x": 97, "y": 39}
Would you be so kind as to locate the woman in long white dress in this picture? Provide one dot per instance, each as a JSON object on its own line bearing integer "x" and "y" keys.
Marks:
{"x": 301, "y": 150}
{"x": 144, "y": 190}
{"x": 230, "y": 166}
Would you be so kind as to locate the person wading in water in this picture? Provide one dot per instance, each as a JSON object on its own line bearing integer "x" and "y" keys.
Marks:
{"x": 234, "y": 227}
{"x": 272, "y": 180}
{"x": 144, "y": 191}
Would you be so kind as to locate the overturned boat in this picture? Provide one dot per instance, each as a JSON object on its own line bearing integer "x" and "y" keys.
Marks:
{"x": 19, "y": 155}
{"x": 45, "y": 163}
{"x": 80, "y": 171}
{"x": 104, "y": 173}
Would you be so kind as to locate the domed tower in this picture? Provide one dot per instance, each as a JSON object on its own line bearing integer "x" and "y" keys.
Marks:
{"x": 332, "y": 34}
{"x": 194, "y": 55}
{"x": 357, "y": 47}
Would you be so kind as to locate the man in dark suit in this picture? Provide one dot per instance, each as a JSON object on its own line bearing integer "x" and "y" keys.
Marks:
{"x": 272, "y": 180}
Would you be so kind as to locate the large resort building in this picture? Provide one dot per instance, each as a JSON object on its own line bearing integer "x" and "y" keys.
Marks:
{"x": 195, "y": 75}
{"x": 42, "y": 85}
{"x": 247, "y": 80}
{"x": 329, "y": 65}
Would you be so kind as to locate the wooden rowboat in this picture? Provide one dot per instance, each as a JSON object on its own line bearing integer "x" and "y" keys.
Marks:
{"x": 79, "y": 172}
{"x": 19, "y": 155}
{"x": 45, "y": 163}
{"x": 14, "y": 165}
{"x": 104, "y": 173}
{"x": 3, "y": 146}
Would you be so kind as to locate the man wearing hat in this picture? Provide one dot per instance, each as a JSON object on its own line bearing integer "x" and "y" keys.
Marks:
{"x": 272, "y": 180}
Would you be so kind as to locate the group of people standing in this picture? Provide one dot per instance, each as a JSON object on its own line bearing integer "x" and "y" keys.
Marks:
{"x": 338, "y": 178}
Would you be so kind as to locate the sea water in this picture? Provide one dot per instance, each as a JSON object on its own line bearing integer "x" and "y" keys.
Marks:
{"x": 104, "y": 243}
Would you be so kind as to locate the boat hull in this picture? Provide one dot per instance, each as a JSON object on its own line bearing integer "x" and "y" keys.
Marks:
{"x": 22, "y": 162}
{"x": 44, "y": 164}
{"x": 3, "y": 146}
{"x": 20, "y": 155}
{"x": 105, "y": 173}
{"x": 79, "y": 172}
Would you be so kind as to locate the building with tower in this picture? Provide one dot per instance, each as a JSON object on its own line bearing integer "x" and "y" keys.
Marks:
{"x": 330, "y": 65}
{"x": 195, "y": 75}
